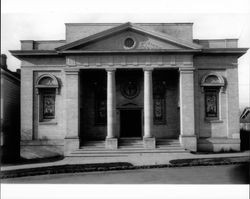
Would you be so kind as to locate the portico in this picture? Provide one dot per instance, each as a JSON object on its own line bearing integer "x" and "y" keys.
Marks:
{"x": 144, "y": 109}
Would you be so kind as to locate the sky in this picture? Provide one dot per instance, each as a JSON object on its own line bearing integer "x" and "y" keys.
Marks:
{"x": 44, "y": 20}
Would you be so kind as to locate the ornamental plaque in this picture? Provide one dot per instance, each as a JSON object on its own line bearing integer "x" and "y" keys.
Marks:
{"x": 130, "y": 88}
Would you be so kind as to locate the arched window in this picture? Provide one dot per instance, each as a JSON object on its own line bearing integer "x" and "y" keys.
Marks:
{"x": 212, "y": 84}
{"x": 47, "y": 87}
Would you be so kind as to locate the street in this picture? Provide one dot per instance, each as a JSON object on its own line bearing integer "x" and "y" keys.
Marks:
{"x": 222, "y": 174}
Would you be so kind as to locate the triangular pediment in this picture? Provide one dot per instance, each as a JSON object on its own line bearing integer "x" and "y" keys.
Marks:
{"x": 128, "y": 37}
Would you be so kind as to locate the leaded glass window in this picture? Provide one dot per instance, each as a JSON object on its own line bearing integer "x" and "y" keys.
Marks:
{"x": 47, "y": 87}
{"x": 212, "y": 85}
{"x": 211, "y": 103}
{"x": 159, "y": 103}
{"x": 48, "y": 106}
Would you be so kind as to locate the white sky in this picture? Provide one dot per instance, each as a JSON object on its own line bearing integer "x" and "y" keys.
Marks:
{"x": 44, "y": 20}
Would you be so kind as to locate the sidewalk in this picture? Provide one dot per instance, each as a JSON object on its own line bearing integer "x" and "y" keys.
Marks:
{"x": 126, "y": 161}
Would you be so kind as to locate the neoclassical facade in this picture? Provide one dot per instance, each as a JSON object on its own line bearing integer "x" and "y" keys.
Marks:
{"x": 146, "y": 81}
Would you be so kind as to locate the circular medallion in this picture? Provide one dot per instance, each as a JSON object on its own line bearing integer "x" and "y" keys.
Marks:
{"x": 129, "y": 43}
{"x": 130, "y": 89}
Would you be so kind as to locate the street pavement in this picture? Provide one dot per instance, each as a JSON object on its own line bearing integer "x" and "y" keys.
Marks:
{"x": 138, "y": 159}
{"x": 220, "y": 174}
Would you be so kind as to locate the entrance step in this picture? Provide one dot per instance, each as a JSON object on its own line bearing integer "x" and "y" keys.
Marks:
{"x": 130, "y": 143}
{"x": 121, "y": 152}
{"x": 166, "y": 143}
{"x": 126, "y": 147}
{"x": 99, "y": 144}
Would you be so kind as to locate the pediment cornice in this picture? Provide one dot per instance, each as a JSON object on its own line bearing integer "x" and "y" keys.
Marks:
{"x": 130, "y": 27}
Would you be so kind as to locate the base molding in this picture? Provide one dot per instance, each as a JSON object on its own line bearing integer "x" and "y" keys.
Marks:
{"x": 111, "y": 143}
{"x": 188, "y": 142}
{"x": 149, "y": 143}
{"x": 219, "y": 144}
{"x": 41, "y": 148}
{"x": 71, "y": 144}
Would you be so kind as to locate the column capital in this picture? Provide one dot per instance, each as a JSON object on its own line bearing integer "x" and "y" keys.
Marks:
{"x": 71, "y": 71}
{"x": 110, "y": 69}
{"x": 148, "y": 69}
{"x": 186, "y": 70}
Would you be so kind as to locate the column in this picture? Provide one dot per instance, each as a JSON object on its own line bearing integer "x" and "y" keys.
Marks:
{"x": 148, "y": 139}
{"x": 186, "y": 87}
{"x": 111, "y": 141}
{"x": 72, "y": 110}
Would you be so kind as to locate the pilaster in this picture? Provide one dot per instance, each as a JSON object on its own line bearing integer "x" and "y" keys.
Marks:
{"x": 72, "y": 110}
{"x": 187, "y": 135}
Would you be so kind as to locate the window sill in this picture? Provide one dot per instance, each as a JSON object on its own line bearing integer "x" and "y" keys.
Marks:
{"x": 213, "y": 121}
{"x": 47, "y": 123}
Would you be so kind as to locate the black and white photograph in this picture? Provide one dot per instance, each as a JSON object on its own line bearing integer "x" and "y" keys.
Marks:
{"x": 124, "y": 99}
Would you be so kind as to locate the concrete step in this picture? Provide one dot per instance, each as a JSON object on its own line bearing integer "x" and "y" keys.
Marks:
{"x": 121, "y": 153}
{"x": 167, "y": 141}
{"x": 129, "y": 143}
{"x": 128, "y": 150}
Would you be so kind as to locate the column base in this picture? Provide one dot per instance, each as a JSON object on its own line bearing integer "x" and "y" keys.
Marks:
{"x": 149, "y": 143}
{"x": 71, "y": 144}
{"x": 188, "y": 142}
{"x": 111, "y": 143}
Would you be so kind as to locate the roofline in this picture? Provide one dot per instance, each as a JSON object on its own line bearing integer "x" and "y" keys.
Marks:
{"x": 240, "y": 51}
{"x": 101, "y": 24}
{"x": 216, "y": 39}
{"x": 11, "y": 74}
{"x": 237, "y": 51}
{"x": 20, "y": 53}
{"x": 59, "y": 40}
{"x": 131, "y": 51}
{"x": 244, "y": 112}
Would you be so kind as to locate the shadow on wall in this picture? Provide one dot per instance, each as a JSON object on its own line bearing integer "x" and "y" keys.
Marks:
{"x": 245, "y": 140}
{"x": 10, "y": 150}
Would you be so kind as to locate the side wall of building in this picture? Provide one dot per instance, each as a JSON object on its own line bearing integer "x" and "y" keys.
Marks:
{"x": 10, "y": 116}
{"x": 221, "y": 134}
{"x": 39, "y": 138}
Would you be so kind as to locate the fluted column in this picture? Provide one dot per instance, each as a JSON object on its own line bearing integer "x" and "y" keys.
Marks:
{"x": 111, "y": 141}
{"x": 149, "y": 141}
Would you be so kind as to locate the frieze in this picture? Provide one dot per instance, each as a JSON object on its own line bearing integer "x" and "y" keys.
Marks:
{"x": 148, "y": 45}
{"x": 96, "y": 61}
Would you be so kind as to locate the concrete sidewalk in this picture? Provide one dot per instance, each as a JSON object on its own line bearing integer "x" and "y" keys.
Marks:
{"x": 130, "y": 161}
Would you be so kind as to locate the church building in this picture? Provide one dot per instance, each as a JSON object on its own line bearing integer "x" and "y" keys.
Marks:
{"x": 110, "y": 83}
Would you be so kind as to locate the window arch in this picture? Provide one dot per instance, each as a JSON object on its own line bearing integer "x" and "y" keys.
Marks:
{"x": 212, "y": 84}
{"x": 212, "y": 80}
{"x": 47, "y": 86}
{"x": 47, "y": 81}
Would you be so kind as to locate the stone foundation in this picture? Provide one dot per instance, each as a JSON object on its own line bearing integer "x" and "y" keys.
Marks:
{"x": 188, "y": 142}
{"x": 219, "y": 145}
{"x": 71, "y": 144}
{"x": 34, "y": 149}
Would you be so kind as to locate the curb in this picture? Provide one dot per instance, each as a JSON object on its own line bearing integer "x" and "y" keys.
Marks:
{"x": 78, "y": 168}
